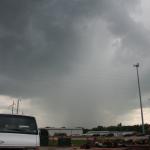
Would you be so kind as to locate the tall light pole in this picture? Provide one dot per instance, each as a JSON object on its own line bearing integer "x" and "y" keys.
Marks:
{"x": 137, "y": 66}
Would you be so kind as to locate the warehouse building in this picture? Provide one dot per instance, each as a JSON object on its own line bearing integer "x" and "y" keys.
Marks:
{"x": 66, "y": 131}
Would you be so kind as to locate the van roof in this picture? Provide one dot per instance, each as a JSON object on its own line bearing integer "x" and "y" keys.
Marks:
{"x": 16, "y": 115}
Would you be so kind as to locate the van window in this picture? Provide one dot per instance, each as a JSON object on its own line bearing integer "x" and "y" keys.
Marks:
{"x": 18, "y": 124}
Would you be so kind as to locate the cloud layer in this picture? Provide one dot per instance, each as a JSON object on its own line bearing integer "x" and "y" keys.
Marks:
{"x": 73, "y": 59}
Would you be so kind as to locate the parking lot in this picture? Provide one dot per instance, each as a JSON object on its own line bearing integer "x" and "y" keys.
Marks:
{"x": 73, "y": 148}
{"x": 55, "y": 148}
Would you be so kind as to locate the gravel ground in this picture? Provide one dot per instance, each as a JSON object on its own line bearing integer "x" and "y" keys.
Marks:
{"x": 55, "y": 148}
{"x": 71, "y": 148}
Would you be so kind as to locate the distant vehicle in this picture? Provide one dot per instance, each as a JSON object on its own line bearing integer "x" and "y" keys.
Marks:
{"x": 18, "y": 132}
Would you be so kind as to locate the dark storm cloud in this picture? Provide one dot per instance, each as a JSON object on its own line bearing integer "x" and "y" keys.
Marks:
{"x": 134, "y": 37}
{"x": 34, "y": 41}
{"x": 14, "y": 14}
{"x": 40, "y": 39}
{"x": 59, "y": 54}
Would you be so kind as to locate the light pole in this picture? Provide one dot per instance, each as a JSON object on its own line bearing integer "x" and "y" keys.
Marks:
{"x": 18, "y": 106}
{"x": 137, "y": 66}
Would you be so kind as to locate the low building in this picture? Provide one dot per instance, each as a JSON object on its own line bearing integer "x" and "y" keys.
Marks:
{"x": 66, "y": 131}
{"x": 108, "y": 133}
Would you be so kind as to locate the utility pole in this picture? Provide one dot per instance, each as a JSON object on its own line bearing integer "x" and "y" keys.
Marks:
{"x": 13, "y": 108}
{"x": 18, "y": 106}
{"x": 142, "y": 118}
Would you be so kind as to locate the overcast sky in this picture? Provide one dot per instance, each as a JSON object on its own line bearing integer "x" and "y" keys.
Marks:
{"x": 71, "y": 61}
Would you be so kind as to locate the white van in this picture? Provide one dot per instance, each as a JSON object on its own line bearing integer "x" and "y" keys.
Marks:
{"x": 18, "y": 132}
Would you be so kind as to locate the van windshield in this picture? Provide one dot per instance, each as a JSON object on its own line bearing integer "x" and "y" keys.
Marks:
{"x": 18, "y": 124}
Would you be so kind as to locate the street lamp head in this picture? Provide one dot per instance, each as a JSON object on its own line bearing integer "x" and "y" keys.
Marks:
{"x": 136, "y": 65}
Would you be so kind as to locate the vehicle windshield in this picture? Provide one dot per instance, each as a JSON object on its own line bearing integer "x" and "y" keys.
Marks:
{"x": 18, "y": 124}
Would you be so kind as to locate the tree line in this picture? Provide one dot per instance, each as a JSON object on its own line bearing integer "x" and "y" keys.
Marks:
{"x": 120, "y": 127}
